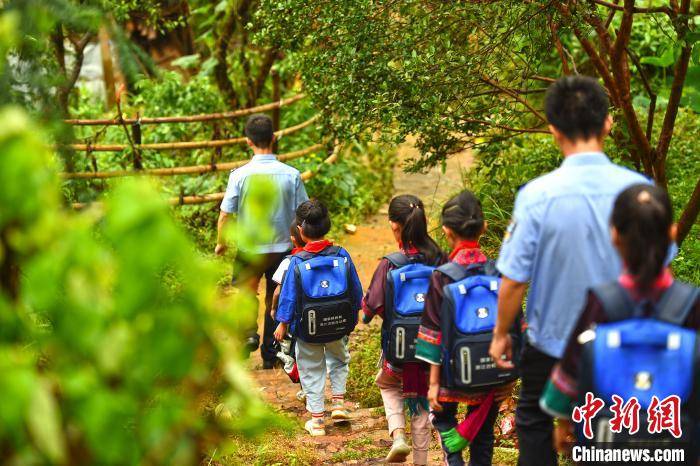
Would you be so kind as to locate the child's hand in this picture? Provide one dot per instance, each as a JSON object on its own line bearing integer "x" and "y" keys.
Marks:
{"x": 433, "y": 391}
{"x": 281, "y": 331}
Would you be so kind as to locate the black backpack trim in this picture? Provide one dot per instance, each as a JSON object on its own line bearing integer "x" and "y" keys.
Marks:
{"x": 456, "y": 272}
{"x": 674, "y": 306}
{"x": 328, "y": 251}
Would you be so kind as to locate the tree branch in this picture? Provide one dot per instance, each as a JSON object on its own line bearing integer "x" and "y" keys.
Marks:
{"x": 515, "y": 96}
{"x": 616, "y": 7}
{"x": 674, "y": 99}
{"x": 689, "y": 215}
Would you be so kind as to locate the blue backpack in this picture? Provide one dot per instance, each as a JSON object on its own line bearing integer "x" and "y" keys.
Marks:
{"x": 468, "y": 317}
{"x": 325, "y": 310}
{"x": 636, "y": 356}
{"x": 406, "y": 286}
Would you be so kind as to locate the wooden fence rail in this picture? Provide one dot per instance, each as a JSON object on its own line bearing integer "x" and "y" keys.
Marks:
{"x": 186, "y": 119}
{"x": 185, "y": 144}
{"x": 217, "y": 197}
{"x": 188, "y": 170}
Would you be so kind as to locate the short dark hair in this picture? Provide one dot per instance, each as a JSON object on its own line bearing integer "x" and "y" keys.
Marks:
{"x": 313, "y": 217}
{"x": 258, "y": 128}
{"x": 463, "y": 215}
{"x": 577, "y": 106}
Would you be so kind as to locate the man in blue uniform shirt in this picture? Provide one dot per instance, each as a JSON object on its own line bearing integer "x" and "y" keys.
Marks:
{"x": 255, "y": 260}
{"x": 559, "y": 243}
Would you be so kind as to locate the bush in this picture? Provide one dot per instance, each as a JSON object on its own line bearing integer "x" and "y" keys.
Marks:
{"x": 112, "y": 336}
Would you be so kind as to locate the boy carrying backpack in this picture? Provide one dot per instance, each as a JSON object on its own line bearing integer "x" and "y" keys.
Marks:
{"x": 397, "y": 294}
{"x": 319, "y": 303}
{"x": 637, "y": 336}
{"x": 454, "y": 338}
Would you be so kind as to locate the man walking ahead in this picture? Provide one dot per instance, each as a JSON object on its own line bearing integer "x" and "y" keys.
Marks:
{"x": 559, "y": 241}
{"x": 262, "y": 257}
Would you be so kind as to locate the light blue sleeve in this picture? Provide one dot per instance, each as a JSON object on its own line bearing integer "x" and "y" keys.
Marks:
{"x": 288, "y": 294}
{"x": 355, "y": 280}
{"x": 230, "y": 202}
{"x": 520, "y": 243}
{"x": 300, "y": 192}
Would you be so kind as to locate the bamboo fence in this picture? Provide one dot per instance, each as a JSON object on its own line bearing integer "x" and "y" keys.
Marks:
{"x": 186, "y": 119}
{"x": 216, "y": 197}
{"x": 188, "y": 145}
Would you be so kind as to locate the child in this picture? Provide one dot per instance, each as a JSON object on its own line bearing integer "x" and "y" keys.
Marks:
{"x": 278, "y": 276}
{"x": 463, "y": 223}
{"x": 407, "y": 381}
{"x": 319, "y": 303}
{"x": 642, "y": 231}
{"x": 288, "y": 345}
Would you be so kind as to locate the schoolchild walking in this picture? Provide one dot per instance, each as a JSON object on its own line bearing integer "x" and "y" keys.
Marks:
{"x": 287, "y": 350}
{"x": 319, "y": 304}
{"x": 454, "y": 337}
{"x": 636, "y": 336}
{"x": 397, "y": 294}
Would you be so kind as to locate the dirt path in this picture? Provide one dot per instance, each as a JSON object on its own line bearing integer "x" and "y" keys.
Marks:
{"x": 365, "y": 440}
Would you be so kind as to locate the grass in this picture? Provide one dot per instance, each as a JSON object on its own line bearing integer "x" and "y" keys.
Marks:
{"x": 365, "y": 347}
{"x": 358, "y": 449}
{"x": 277, "y": 446}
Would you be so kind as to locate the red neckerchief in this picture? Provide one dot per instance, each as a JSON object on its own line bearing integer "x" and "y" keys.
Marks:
{"x": 661, "y": 284}
{"x": 296, "y": 250}
{"x": 410, "y": 251}
{"x": 467, "y": 253}
{"x": 317, "y": 246}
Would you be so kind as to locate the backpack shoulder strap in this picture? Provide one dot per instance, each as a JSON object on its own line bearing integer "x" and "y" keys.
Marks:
{"x": 490, "y": 269}
{"x": 304, "y": 255}
{"x": 397, "y": 259}
{"x": 616, "y": 303}
{"x": 453, "y": 271}
{"x": 331, "y": 251}
{"x": 676, "y": 303}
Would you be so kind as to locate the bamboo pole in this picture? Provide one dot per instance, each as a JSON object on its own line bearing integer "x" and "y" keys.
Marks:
{"x": 190, "y": 118}
{"x": 215, "y": 197}
{"x": 187, "y": 144}
{"x": 107, "y": 68}
{"x": 189, "y": 170}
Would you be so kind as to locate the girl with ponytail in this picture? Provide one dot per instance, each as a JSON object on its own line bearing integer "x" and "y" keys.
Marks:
{"x": 463, "y": 224}
{"x": 404, "y": 384}
{"x": 642, "y": 231}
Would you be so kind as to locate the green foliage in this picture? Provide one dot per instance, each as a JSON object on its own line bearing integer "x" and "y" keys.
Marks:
{"x": 356, "y": 185}
{"x": 365, "y": 346}
{"x": 499, "y": 171}
{"x": 111, "y": 338}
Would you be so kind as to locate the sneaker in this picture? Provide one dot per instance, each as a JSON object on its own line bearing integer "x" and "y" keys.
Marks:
{"x": 315, "y": 428}
{"x": 301, "y": 396}
{"x": 339, "y": 413}
{"x": 399, "y": 451}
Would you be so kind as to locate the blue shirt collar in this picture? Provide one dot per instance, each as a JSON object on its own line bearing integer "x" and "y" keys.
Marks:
{"x": 585, "y": 158}
{"x": 263, "y": 157}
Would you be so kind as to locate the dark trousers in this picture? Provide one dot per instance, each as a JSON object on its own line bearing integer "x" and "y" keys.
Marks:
{"x": 534, "y": 427}
{"x": 247, "y": 271}
{"x": 481, "y": 448}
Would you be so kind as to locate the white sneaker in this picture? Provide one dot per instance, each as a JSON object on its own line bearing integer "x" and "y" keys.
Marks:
{"x": 316, "y": 429}
{"x": 339, "y": 413}
{"x": 399, "y": 451}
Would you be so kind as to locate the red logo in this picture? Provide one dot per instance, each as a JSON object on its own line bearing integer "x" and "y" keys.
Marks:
{"x": 662, "y": 415}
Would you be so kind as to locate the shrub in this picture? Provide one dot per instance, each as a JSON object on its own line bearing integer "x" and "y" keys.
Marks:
{"x": 112, "y": 334}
